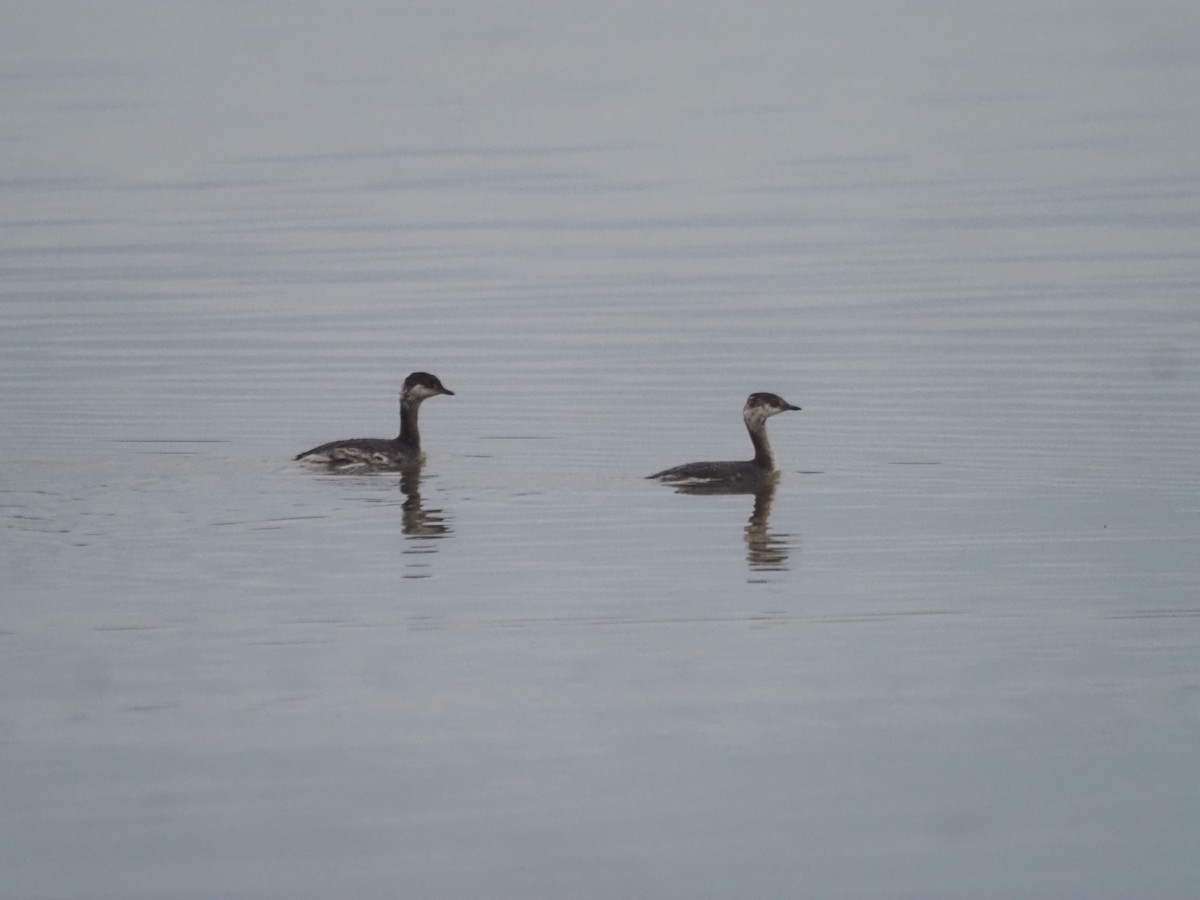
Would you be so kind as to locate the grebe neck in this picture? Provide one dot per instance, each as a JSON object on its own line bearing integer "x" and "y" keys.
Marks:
{"x": 763, "y": 458}
{"x": 410, "y": 434}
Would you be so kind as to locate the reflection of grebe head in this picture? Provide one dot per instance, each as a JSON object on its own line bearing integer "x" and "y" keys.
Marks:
{"x": 420, "y": 386}
{"x": 761, "y": 406}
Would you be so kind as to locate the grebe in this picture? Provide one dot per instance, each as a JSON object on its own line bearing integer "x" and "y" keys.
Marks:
{"x": 759, "y": 407}
{"x": 384, "y": 453}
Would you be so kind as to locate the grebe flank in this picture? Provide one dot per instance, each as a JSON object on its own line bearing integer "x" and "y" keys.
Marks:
{"x": 384, "y": 453}
{"x": 759, "y": 407}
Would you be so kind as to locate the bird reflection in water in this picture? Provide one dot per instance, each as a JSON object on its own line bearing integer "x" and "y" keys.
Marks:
{"x": 766, "y": 551}
{"x": 420, "y": 522}
{"x": 422, "y": 526}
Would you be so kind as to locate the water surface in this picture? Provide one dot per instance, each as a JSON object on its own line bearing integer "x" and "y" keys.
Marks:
{"x": 952, "y": 654}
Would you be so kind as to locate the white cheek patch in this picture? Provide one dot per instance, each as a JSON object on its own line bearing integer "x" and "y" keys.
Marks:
{"x": 756, "y": 415}
{"x": 419, "y": 392}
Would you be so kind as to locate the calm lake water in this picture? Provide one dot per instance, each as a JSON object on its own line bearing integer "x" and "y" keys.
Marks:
{"x": 956, "y": 652}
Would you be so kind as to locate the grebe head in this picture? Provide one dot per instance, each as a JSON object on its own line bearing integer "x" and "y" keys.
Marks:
{"x": 761, "y": 406}
{"x": 421, "y": 385}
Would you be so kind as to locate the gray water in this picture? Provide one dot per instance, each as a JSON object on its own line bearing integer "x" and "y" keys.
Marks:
{"x": 953, "y": 654}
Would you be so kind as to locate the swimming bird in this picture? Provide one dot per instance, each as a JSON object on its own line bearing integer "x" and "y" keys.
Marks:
{"x": 383, "y": 453}
{"x": 759, "y": 407}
